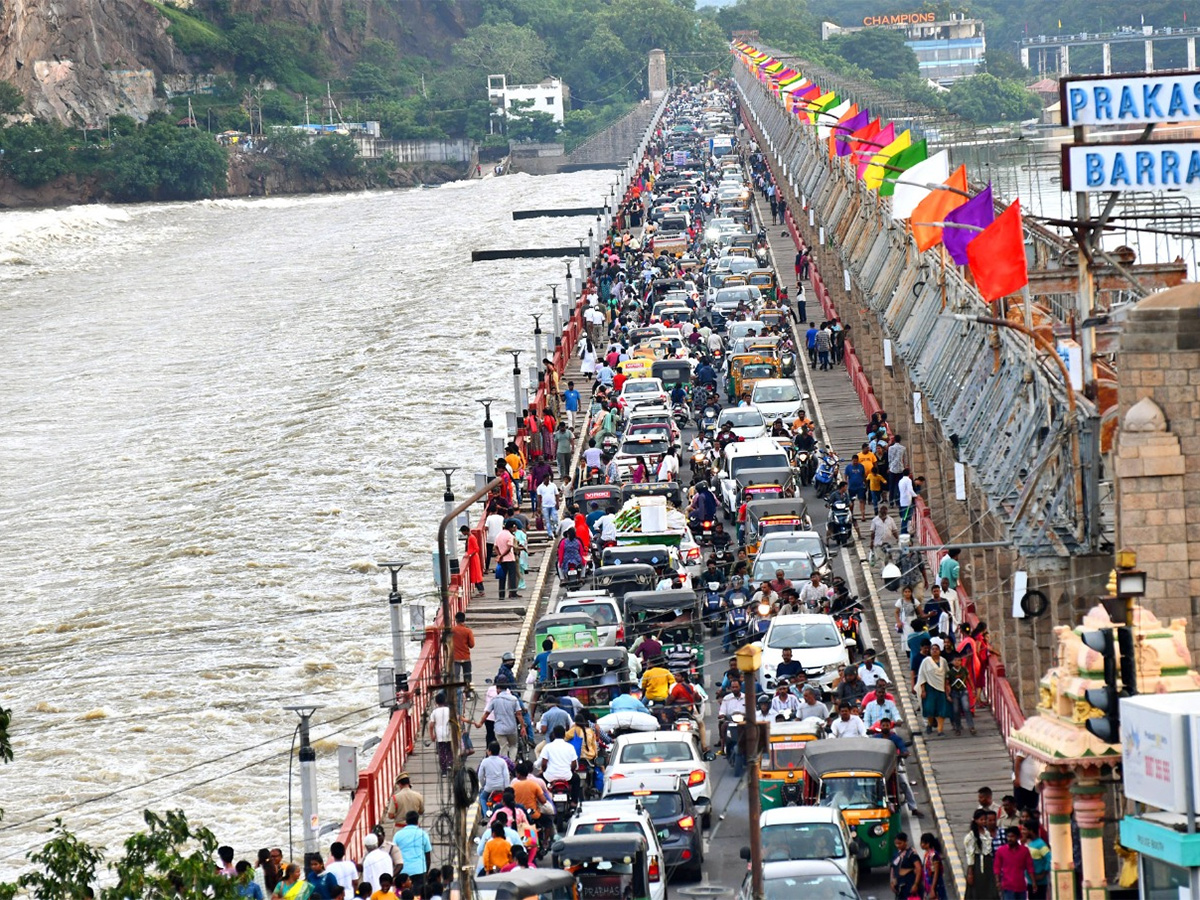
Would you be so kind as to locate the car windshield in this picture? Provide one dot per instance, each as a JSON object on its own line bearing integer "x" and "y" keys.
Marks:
{"x": 656, "y": 752}
{"x": 611, "y": 828}
{"x": 853, "y": 792}
{"x": 803, "y": 636}
{"x": 640, "y": 387}
{"x": 644, "y": 446}
{"x": 793, "y": 543}
{"x": 759, "y": 371}
{"x": 601, "y": 613}
{"x": 776, "y": 393}
{"x": 741, "y": 464}
{"x": 802, "y": 840}
{"x": 797, "y": 568}
{"x": 743, "y": 417}
{"x": 662, "y": 805}
{"x": 810, "y": 887}
{"x": 732, "y": 295}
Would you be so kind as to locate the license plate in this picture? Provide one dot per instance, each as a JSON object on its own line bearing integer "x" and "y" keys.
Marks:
{"x": 559, "y": 797}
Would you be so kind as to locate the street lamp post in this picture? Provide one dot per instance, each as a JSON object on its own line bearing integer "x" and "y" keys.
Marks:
{"x": 535, "y": 372}
{"x": 591, "y": 240}
{"x": 517, "y": 383}
{"x": 308, "y": 776}
{"x": 570, "y": 287}
{"x": 749, "y": 658}
{"x": 557, "y": 315}
{"x": 448, "y": 499}
{"x": 489, "y": 457}
{"x": 399, "y": 662}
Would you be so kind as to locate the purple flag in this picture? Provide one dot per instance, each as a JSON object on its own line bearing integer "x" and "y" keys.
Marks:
{"x": 851, "y": 125}
{"x": 978, "y": 212}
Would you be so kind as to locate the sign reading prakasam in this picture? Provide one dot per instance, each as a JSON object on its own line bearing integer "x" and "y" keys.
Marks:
{"x": 1131, "y": 99}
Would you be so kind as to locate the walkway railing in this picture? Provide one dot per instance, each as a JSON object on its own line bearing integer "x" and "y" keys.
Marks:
{"x": 997, "y": 689}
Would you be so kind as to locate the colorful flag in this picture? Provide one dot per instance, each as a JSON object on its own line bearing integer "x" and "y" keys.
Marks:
{"x": 829, "y": 118}
{"x": 839, "y": 127}
{"x": 873, "y": 177}
{"x": 931, "y": 212}
{"x": 906, "y": 196}
{"x": 901, "y": 163}
{"x": 845, "y": 130}
{"x": 997, "y": 256}
{"x": 977, "y": 213}
{"x": 867, "y": 149}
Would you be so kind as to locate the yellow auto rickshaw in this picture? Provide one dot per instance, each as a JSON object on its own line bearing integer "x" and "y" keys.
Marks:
{"x": 756, "y": 367}
{"x": 638, "y": 365}
{"x": 764, "y": 280}
{"x": 781, "y": 776}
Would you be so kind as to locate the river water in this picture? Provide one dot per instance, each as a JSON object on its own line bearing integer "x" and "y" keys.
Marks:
{"x": 217, "y": 415}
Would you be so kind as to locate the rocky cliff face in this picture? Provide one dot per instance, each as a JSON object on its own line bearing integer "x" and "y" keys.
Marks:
{"x": 81, "y": 60}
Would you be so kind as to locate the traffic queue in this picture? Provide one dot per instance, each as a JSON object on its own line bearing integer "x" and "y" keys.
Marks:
{"x": 693, "y": 354}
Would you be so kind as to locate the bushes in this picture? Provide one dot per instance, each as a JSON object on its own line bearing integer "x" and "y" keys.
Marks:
{"x": 35, "y": 153}
{"x": 985, "y": 98}
{"x": 162, "y": 162}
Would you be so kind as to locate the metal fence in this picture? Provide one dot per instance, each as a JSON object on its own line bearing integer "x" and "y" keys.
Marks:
{"x": 1006, "y": 409}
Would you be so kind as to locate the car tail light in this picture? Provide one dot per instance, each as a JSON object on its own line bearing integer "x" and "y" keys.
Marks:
{"x": 687, "y": 823}
{"x": 620, "y": 633}
{"x": 697, "y": 777}
{"x": 616, "y": 776}
{"x": 687, "y": 854}
{"x": 655, "y": 874}
{"x": 693, "y": 554}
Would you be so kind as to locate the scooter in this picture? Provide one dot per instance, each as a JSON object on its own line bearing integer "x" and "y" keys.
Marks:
{"x": 712, "y": 606}
{"x": 572, "y": 576}
{"x": 733, "y": 753}
{"x": 848, "y": 621}
{"x": 841, "y": 522}
{"x": 680, "y": 414}
{"x": 762, "y": 621}
{"x": 806, "y": 464}
{"x": 564, "y": 808}
{"x": 701, "y": 466}
{"x": 708, "y": 422}
{"x": 826, "y": 474}
{"x": 736, "y": 619}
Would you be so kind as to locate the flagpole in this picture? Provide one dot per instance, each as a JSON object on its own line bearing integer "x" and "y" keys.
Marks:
{"x": 942, "y": 248}
{"x": 1029, "y": 322}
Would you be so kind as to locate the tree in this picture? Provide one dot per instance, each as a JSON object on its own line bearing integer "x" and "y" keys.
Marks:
{"x": 1004, "y": 66}
{"x": 172, "y": 859}
{"x": 985, "y": 98}
{"x": 505, "y": 49}
{"x": 881, "y": 51}
{"x": 528, "y": 124}
{"x": 163, "y": 162}
{"x": 11, "y": 99}
{"x": 35, "y": 153}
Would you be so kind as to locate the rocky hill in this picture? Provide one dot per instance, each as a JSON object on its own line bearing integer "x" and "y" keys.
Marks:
{"x": 80, "y": 61}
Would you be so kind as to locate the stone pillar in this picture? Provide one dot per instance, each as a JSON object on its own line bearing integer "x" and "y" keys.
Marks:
{"x": 1064, "y": 60}
{"x": 1088, "y": 794}
{"x": 1025, "y": 57}
{"x": 1149, "y": 56}
{"x": 1056, "y": 795}
{"x": 1106, "y": 56}
{"x": 657, "y": 76}
{"x": 1191, "y": 53}
{"x": 1158, "y": 460}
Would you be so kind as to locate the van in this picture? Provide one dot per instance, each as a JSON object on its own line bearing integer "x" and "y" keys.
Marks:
{"x": 759, "y": 453}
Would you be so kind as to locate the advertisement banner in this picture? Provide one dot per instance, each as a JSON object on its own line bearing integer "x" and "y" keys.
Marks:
{"x": 1154, "y": 166}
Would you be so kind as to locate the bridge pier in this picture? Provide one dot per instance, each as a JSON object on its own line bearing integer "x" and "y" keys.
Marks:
{"x": 1191, "y": 53}
{"x": 1064, "y": 60}
{"x": 1149, "y": 56}
{"x": 1106, "y": 57}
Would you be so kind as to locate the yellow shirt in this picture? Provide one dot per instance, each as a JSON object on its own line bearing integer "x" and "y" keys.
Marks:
{"x": 588, "y": 749}
{"x": 514, "y": 464}
{"x": 657, "y": 683}
{"x": 497, "y": 853}
{"x": 875, "y": 481}
{"x": 867, "y": 460}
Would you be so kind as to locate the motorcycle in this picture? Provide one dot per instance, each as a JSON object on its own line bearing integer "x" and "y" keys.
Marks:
{"x": 733, "y": 753}
{"x": 806, "y": 464}
{"x": 826, "y": 474}
{"x": 724, "y": 558}
{"x": 572, "y": 576}
{"x": 708, "y": 421}
{"x": 680, "y": 414}
{"x": 848, "y": 621}
{"x": 736, "y": 621}
{"x": 712, "y": 606}
{"x": 841, "y": 522}
{"x": 564, "y": 807}
{"x": 762, "y": 621}
{"x": 701, "y": 466}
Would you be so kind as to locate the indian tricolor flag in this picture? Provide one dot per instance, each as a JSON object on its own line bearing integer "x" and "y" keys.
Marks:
{"x": 873, "y": 176}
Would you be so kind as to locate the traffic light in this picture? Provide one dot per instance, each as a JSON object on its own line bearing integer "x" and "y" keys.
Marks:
{"x": 1105, "y": 699}
{"x": 1128, "y": 661}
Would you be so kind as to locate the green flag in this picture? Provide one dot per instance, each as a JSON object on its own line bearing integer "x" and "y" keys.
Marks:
{"x": 905, "y": 159}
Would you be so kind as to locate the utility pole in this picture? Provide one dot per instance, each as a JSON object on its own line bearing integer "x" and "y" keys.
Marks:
{"x": 558, "y": 327}
{"x": 399, "y": 662}
{"x": 535, "y": 372}
{"x": 308, "y": 776}
{"x": 749, "y": 658}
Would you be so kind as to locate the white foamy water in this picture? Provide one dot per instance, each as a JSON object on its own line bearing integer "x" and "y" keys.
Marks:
{"x": 216, "y": 416}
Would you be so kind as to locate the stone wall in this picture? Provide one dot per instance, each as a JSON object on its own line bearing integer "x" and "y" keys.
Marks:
{"x": 1158, "y": 461}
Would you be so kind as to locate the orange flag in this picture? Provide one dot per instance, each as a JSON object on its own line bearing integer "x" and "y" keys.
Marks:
{"x": 935, "y": 207}
{"x": 997, "y": 256}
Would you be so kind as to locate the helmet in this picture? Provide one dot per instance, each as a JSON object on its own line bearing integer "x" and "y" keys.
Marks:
{"x": 508, "y": 657}
{"x": 736, "y": 581}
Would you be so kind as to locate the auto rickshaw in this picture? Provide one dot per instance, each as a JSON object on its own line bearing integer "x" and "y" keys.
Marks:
{"x": 618, "y": 579}
{"x": 781, "y": 773}
{"x": 753, "y": 367}
{"x": 606, "y": 866}
{"x": 764, "y": 344}
{"x": 674, "y": 618}
{"x": 638, "y": 365}
{"x": 603, "y": 495}
{"x": 764, "y": 280}
{"x": 768, "y": 516}
{"x": 526, "y": 884}
{"x": 860, "y": 777}
{"x": 593, "y": 676}
{"x": 762, "y": 484}
{"x": 734, "y": 368}
{"x": 773, "y": 316}
{"x": 672, "y": 372}
{"x": 569, "y": 631}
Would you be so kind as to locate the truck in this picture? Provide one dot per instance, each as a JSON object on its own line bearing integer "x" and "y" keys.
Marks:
{"x": 720, "y": 144}
{"x": 653, "y": 521}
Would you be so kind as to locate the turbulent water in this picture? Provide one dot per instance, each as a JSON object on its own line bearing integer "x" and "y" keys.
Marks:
{"x": 216, "y": 416}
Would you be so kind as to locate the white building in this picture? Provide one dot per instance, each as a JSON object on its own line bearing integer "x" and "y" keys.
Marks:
{"x": 548, "y": 96}
{"x": 947, "y": 49}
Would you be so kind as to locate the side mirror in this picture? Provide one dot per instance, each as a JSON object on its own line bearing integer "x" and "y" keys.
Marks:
{"x": 744, "y": 853}
{"x": 709, "y": 756}
{"x": 849, "y": 642}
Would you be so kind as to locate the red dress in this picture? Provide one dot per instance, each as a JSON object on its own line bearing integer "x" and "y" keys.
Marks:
{"x": 474, "y": 561}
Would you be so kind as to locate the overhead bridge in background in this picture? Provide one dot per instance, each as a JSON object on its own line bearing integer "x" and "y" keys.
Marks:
{"x": 526, "y": 253}
{"x": 557, "y": 213}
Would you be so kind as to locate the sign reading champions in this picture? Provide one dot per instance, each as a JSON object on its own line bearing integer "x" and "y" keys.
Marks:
{"x": 1131, "y": 100}
{"x": 900, "y": 19}
{"x": 1154, "y": 166}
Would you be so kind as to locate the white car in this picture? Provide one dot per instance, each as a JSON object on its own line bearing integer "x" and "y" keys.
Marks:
{"x": 809, "y": 832}
{"x": 809, "y": 542}
{"x": 742, "y": 456}
{"x": 601, "y": 609}
{"x": 815, "y": 643}
{"x": 748, "y": 423}
{"x": 741, "y": 329}
{"x": 638, "y": 391}
{"x": 665, "y": 753}
{"x": 811, "y": 879}
{"x": 624, "y": 816}
{"x": 778, "y": 398}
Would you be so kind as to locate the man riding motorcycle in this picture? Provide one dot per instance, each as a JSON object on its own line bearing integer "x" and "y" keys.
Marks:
{"x": 706, "y": 374}
{"x": 703, "y": 507}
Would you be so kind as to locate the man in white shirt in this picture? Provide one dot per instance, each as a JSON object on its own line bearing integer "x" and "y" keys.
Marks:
{"x": 784, "y": 701}
{"x": 668, "y": 469}
{"x": 494, "y": 524}
{"x": 878, "y": 707}
{"x": 376, "y": 862}
{"x": 547, "y": 493}
{"x": 732, "y": 703}
{"x": 592, "y": 456}
{"x": 846, "y": 725}
{"x": 870, "y": 671}
{"x": 558, "y": 759}
{"x": 606, "y": 525}
{"x": 345, "y": 871}
{"x": 814, "y": 594}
